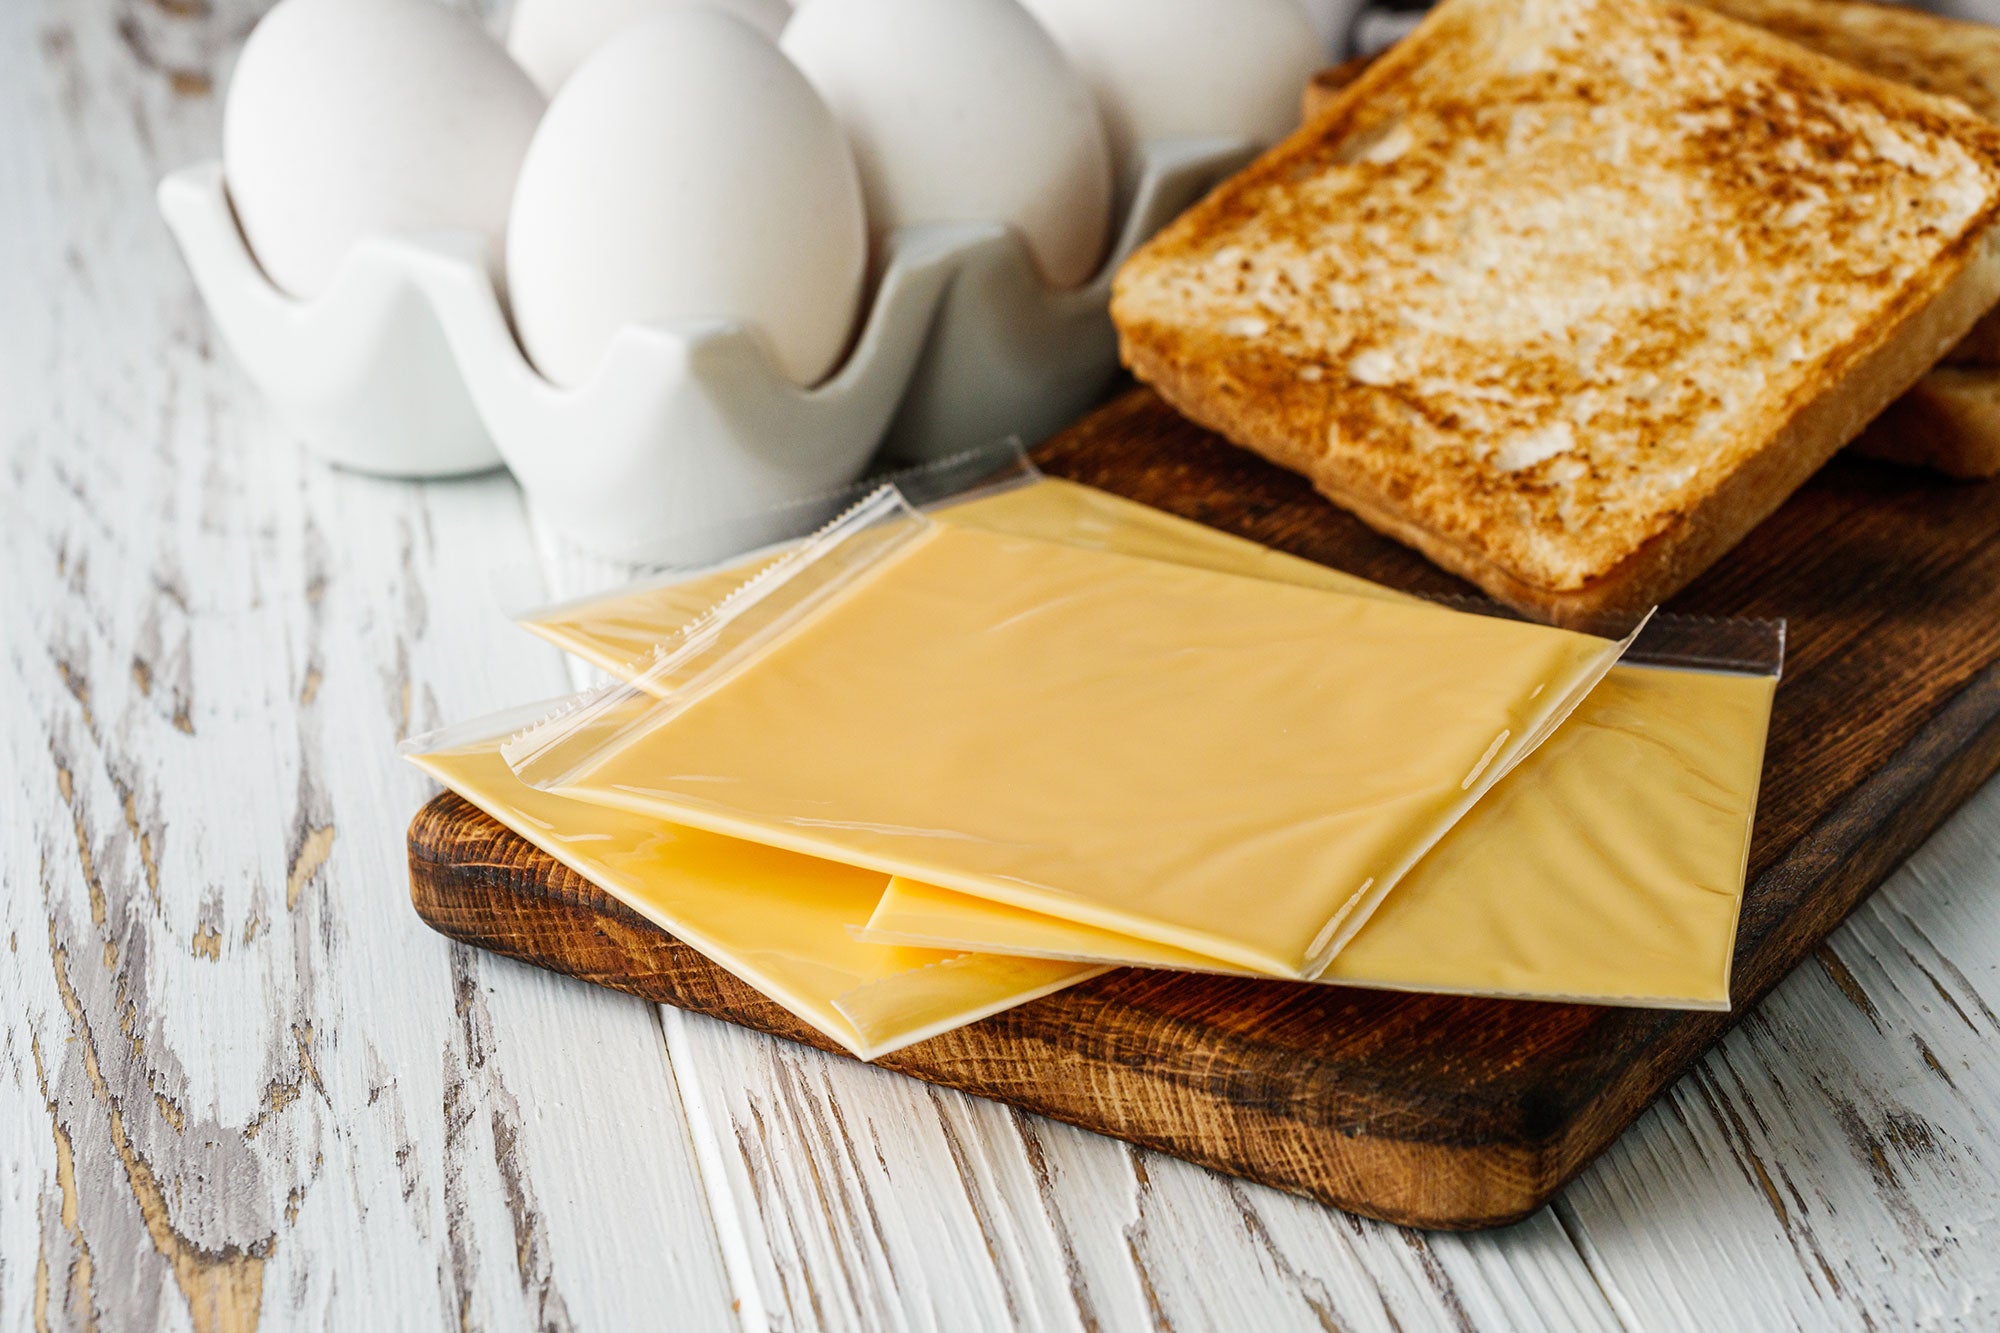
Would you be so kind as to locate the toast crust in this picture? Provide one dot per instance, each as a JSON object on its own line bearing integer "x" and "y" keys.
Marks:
{"x": 1950, "y": 57}
{"x": 1570, "y": 492}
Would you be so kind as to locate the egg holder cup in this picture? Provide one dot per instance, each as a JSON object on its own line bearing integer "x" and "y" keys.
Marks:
{"x": 407, "y": 365}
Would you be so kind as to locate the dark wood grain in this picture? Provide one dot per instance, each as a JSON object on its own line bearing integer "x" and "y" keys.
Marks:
{"x": 1428, "y": 1110}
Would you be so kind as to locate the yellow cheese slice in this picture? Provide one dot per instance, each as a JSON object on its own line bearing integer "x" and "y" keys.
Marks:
{"x": 1607, "y": 868}
{"x": 1570, "y": 935}
{"x": 1235, "y": 766}
{"x": 784, "y": 923}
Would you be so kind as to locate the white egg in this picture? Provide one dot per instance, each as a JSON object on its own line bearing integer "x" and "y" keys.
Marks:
{"x": 552, "y": 37}
{"x": 963, "y": 111}
{"x": 351, "y": 117}
{"x": 687, "y": 171}
{"x": 1167, "y": 69}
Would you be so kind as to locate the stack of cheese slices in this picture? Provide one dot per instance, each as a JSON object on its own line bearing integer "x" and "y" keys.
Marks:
{"x": 920, "y": 768}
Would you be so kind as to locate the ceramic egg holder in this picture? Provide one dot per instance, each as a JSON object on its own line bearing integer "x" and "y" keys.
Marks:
{"x": 406, "y": 365}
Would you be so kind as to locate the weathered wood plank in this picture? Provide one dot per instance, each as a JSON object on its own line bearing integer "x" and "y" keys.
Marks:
{"x": 875, "y": 1201}
{"x": 236, "y": 1086}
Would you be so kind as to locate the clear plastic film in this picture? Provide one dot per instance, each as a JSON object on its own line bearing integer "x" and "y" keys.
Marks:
{"x": 1607, "y": 868}
{"x": 630, "y": 608}
{"x": 997, "y": 489}
{"x": 1223, "y": 762}
{"x": 1621, "y": 886}
{"x": 784, "y": 923}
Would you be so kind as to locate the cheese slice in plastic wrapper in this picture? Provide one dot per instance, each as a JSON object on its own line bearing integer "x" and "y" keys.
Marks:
{"x": 743, "y": 918}
{"x": 782, "y": 922}
{"x": 1667, "y": 751}
{"x": 615, "y": 629}
{"x": 1607, "y": 868}
{"x": 1235, "y": 766}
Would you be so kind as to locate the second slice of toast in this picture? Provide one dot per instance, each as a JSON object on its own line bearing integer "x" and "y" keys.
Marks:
{"x": 1949, "y": 421}
{"x": 1569, "y": 294}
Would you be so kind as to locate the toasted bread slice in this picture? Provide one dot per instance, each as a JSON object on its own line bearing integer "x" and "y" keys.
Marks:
{"x": 1951, "y": 420}
{"x": 1949, "y": 57}
{"x": 1570, "y": 294}
{"x": 1939, "y": 55}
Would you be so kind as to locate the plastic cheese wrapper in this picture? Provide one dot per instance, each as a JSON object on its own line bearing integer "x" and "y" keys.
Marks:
{"x": 782, "y": 922}
{"x": 999, "y": 491}
{"x": 1238, "y": 767}
{"x": 1607, "y": 868}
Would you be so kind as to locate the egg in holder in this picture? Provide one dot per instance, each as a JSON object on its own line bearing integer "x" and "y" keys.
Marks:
{"x": 406, "y": 365}
{"x": 363, "y": 370}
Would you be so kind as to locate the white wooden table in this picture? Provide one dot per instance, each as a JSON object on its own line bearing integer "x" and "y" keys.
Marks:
{"x": 240, "y": 1084}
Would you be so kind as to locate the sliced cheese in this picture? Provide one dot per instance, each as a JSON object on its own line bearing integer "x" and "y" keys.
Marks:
{"x": 1235, "y": 766}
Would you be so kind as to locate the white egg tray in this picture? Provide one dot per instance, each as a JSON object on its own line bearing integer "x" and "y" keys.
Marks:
{"x": 406, "y": 365}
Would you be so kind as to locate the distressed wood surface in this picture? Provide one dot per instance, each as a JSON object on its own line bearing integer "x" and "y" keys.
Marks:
{"x": 240, "y": 1086}
{"x": 235, "y": 1086}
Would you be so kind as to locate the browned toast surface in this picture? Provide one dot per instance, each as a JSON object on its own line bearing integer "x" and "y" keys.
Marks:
{"x": 1950, "y": 420}
{"x": 1940, "y": 55}
{"x": 1569, "y": 293}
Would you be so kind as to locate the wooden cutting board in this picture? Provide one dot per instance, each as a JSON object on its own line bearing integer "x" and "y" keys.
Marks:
{"x": 1426, "y": 1110}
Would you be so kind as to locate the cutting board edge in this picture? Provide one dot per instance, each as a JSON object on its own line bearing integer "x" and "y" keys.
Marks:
{"x": 442, "y": 891}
